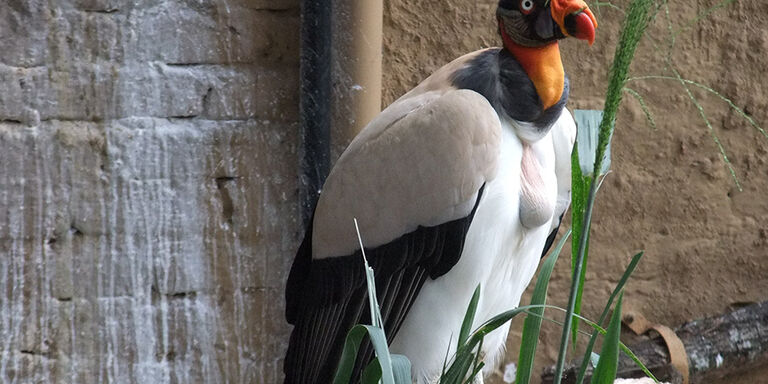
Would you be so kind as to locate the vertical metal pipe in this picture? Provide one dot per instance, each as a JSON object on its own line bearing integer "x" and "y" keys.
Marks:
{"x": 357, "y": 50}
{"x": 340, "y": 83}
{"x": 315, "y": 101}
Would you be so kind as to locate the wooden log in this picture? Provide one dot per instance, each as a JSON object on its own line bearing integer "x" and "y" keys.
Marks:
{"x": 716, "y": 347}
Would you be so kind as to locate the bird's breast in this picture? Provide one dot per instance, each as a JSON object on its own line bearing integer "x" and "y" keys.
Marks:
{"x": 500, "y": 254}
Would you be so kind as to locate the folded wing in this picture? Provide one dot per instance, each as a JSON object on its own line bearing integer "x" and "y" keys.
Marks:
{"x": 413, "y": 179}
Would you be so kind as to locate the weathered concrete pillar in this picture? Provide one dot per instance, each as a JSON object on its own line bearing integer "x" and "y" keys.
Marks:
{"x": 147, "y": 189}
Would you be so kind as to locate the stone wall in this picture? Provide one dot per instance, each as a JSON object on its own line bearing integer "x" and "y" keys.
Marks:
{"x": 147, "y": 189}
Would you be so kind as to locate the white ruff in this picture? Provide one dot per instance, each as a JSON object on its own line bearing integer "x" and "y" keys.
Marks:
{"x": 499, "y": 254}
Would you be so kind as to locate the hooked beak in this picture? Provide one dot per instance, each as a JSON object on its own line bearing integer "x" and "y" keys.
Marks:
{"x": 575, "y": 19}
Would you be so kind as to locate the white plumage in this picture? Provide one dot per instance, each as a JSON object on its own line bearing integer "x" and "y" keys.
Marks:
{"x": 500, "y": 254}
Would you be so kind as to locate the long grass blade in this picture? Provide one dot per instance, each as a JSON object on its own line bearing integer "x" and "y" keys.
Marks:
{"x": 711, "y": 129}
{"x": 703, "y": 15}
{"x": 375, "y": 333}
{"x": 532, "y": 324}
{"x": 637, "y": 19}
{"x": 623, "y": 347}
{"x": 643, "y": 106}
{"x": 373, "y": 303}
{"x": 459, "y": 367}
{"x": 605, "y": 373}
{"x": 618, "y": 289}
{"x": 579, "y": 196}
{"x": 469, "y": 318}
{"x": 722, "y": 97}
{"x": 598, "y": 331}
{"x": 477, "y": 364}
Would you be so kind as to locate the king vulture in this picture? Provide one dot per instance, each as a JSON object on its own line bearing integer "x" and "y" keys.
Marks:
{"x": 461, "y": 181}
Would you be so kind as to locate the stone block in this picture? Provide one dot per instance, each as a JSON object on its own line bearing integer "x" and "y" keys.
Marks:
{"x": 271, "y": 5}
{"x": 188, "y": 332}
{"x": 24, "y": 367}
{"x": 176, "y": 33}
{"x": 104, "y": 6}
{"x": 78, "y": 36}
{"x": 95, "y": 92}
{"x": 25, "y": 91}
{"x": 117, "y": 319}
{"x": 260, "y": 93}
{"x": 23, "y": 32}
{"x": 213, "y": 33}
{"x": 62, "y": 265}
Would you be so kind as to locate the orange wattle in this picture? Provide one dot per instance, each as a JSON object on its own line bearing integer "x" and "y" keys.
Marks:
{"x": 543, "y": 66}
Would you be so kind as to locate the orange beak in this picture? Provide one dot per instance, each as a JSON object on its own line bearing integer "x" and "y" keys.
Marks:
{"x": 574, "y": 18}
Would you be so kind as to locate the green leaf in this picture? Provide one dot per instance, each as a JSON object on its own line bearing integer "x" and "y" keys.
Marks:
{"x": 371, "y": 373}
{"x": 495, "y": 322}
{"x": 469, "y": 318}
{"x": 351, "y": 347}
{"x": 532, "y": 324}
{"x": 401, "y": 367}
{"x": 349, "y": 354}
{"x": 478, "y": 368}
{"x": 579, "y": 196}
{"x": 605, "y": 373}
{"x": 459, "y": 368}
{"x": 379, "y": 341}
{"x": 619, "y": 287}
{"x": 477, "y": 365}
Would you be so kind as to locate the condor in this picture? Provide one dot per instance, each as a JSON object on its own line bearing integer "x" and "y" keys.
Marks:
{"x": 461, "y": 182}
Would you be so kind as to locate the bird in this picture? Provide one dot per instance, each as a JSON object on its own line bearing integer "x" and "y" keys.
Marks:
{"x": 463, "y": 181}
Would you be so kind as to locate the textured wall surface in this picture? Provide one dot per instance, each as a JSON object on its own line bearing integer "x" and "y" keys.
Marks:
{"x": 147, "y": 189}
{"x": 148, "y": 177}
{"x": 670, "y": 193}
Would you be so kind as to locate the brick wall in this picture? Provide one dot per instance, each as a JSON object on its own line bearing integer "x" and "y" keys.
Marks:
{"x": 147, "y": 189}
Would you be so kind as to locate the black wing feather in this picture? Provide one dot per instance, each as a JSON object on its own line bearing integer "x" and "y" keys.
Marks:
{"x": 551, "y": 237}
{"x": 325, "y": 298}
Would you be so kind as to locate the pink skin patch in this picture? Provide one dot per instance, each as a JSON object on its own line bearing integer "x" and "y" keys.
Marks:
{"x": 535, "y": 209}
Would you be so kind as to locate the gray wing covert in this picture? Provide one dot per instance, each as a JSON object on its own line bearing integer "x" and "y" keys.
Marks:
{"x": 413, "y": 179}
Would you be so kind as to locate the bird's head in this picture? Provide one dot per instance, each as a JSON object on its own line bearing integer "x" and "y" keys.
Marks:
{"x": 535, "y": 23}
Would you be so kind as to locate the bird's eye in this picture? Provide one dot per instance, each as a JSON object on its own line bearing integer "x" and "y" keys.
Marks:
{"x": 526, "y": 6}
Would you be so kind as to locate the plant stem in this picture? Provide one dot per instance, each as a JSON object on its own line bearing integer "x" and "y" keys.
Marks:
{"x": 575, "y": 282}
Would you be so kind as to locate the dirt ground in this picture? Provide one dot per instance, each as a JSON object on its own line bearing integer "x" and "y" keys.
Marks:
{"x": 670, "y": 193}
